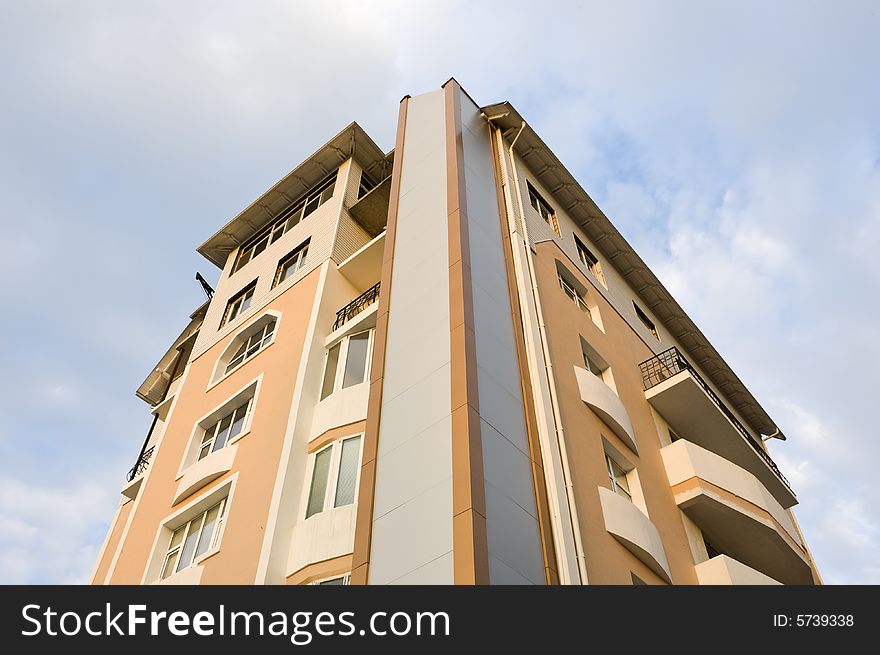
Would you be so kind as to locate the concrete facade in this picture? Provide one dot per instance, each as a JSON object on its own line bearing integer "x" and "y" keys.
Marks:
{"x": 509, "y": 406}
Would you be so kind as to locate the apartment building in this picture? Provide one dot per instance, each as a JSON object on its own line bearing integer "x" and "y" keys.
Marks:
{"x": 444, "y": 365}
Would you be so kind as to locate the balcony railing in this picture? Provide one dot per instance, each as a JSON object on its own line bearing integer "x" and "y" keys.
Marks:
{"x": 356, "y": 306}
{"x": 142, "y": 464}
{"x": 671, "y": 362}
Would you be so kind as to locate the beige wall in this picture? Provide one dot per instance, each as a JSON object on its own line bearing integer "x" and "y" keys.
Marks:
{"x": 257, "y": 453}
{"x": 608, "y": 561}
{"x": 112, "y": 542}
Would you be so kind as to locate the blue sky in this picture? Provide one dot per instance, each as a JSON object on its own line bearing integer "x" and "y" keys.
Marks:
{"x": 735, "y": 145}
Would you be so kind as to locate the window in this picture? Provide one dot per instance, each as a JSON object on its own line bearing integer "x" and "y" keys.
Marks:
{"x": 347, "y": 363}
{"x": 193, "y": 539}
{"x": 572, "y": 293}
{"x": 239, "y": 303}
{"x": 590, "y": 261}
{"x": 596, "y": 364}
{"x": 341, "y": 580}
{"x": 225, "y": 430}
{"x": 335, "y": 580}
{"x": 592, "y": 366}
{"x": 291, "y": 263}
{"x": 334, "y": 476}
{"x": 252, "y": 345}
{"x": 287, "y": 219}
{"x": 366, "y": 185}
{"x": 543, "y": 208}
{"x": 617, "y": 476}
{"x": 648, "y": 323}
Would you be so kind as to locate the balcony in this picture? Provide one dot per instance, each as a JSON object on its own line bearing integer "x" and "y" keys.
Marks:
{"x": 371, "y": 209}
{"x": 607, "y": 406}
{"x": 736, "y": 513}
{"x": 724, "y": 570}
{"x": 356, "y": 306}
{"x": 626, "y": 523}
{"x": 135, "y": 474}
{"x": 678, "y": 392}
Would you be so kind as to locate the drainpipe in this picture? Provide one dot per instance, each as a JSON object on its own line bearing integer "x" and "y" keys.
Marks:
{"x": 548, "y": 370}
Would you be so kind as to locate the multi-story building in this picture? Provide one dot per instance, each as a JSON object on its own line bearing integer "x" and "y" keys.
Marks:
{"x": 444, "y": 364}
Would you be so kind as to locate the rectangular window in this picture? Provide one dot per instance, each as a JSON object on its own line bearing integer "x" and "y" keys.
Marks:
{"x": 239, "y": 303}
{"x": 224, "y": 430}
{"x": 341, "y": 580}
{"x": 193, "y": 539}
{"x": 291, "y": 263}
{"x": 618, "y": 479}
{"x": 330, "y": 371}
{"x": 592, "y": 366}
{"x": 287, "y": 219}
{"x": 334, "y": 476}
{"x": 572, "y": 293}
{"x": 366, "y": 185}
{"x": 348, "y": 363}
{"x": 647, "y": 322}
{"x": 346, "y": 479}
{"x": 320, "y": 477}
{"x": 543, "y": 208}
{"x": 590, "y": 261}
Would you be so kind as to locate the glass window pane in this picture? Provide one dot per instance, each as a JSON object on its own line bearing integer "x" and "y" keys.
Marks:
{"x": 318, "y": 488}
{"x": 189, "y": 546}
{"x": 203, "y": 453}
{"x": 356, "y": 360}
{"x": 348, "y": 470}
{"x": 170, "y": 562}
{"x": 176, "y": 538}
{"x": 311, "y": 206}
{"x": 222, "y": 433}
{"x": 333, "y": 581}
{"x": 238, "y": 423}
{"x": 330, "y": 371}
{"x": 207, "y": 530}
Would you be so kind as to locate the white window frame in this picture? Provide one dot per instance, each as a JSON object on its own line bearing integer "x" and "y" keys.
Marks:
{"x": 545, "y": 209}
{"x": 572, "y": 293}
{"x": 646, "y": 321}
{"x": 193, "y": 509}
{"x": 239, "y": 303}
{"x": 345, "y": 577}
{"x": 298, "y": 256}
{"x": 209, "y": 434}
{"x": 289, "y": 218}
{"x": 333, "y": 475}
{"x": 213, "y": 545}
{"x": 221, "y": 367}
{"x": 339, "y": 376}
{"x": 586, "y": 255}
{"x": 616, "y": 486}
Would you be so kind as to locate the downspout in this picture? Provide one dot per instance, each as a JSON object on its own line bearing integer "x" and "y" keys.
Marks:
{"x": 548, "y": 370}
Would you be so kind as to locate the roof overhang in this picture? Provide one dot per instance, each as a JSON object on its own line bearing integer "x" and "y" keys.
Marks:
{"x": 152, "y": 390}
{"x": 584, "y": 211}
{"x": 350, "y": 142}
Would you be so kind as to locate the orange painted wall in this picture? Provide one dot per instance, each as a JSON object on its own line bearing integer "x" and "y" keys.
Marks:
{"x": 258, "y": 453}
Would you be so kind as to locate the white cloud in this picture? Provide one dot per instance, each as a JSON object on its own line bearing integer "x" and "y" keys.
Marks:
{"x": 51, "y": 534}
{"x": 736, "y": 146}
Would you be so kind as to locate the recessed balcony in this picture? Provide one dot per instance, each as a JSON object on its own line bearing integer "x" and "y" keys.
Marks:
{"x": 371, "y": 209}
{"x": 678, "y": 392}
{"x": 736, "y": 512}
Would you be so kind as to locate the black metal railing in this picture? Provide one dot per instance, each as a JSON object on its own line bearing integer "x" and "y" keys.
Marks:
{"x": 671, "y": 362}
{"x": 142, "y": 464}
{"x": 356, "y": 306}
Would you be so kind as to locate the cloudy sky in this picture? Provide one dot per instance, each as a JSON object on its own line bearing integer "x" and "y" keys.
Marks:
{"x": 736, "y": 145}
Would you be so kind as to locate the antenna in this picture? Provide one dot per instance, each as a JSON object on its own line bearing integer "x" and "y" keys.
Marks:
{"x": 207, "y": 288}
